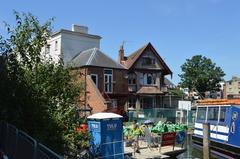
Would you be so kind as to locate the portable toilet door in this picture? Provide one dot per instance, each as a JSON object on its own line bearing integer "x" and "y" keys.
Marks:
{"x": 106, "y": 130}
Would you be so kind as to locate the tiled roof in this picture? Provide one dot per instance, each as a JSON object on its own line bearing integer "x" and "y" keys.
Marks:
{"x": 132, "y": 58}
{"x": 94, "y": 57}
{"x": 149, "y": 90}
{"x": 219, "y": 102}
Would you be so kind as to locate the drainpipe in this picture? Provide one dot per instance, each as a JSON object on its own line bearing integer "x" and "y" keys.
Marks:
{"x": 85, "y": 94}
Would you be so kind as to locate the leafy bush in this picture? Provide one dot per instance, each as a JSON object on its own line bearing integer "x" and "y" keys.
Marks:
{"x": 37, "y": 94}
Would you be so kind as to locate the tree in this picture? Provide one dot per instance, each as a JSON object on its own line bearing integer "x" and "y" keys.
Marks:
{"x": 176, "y": 92}
{"x": 201, "y": 74}
{"x": 37, "y": 94}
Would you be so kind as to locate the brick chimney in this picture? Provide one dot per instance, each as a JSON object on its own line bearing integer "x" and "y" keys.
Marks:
{"x": 121, "y": 55}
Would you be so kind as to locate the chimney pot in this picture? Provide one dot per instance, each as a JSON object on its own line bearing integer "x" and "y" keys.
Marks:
{"x": 121, "y": 54}
{"x": 80, "y": 29}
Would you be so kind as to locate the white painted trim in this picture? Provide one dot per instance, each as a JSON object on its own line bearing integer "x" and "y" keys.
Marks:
{"x": 213, "y": 127}
{"x": 222, "y": 137}
{"x": 198, "y": 132}
{"x": 91, "y": 57}
{"x": 223, "y": 129}
{"x": 217, "y": 128}
{"x": 108, "y": 76}
{"x": 198, "y": 125}
{"x": 219, "y": 113}
{"x": 212, "y": 135}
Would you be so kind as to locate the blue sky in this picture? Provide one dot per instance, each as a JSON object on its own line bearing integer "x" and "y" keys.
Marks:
{"x": 178, "y": 29}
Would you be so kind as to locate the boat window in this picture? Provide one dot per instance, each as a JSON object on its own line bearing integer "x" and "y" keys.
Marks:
{"x": 201, "y": 114}
{"x": 222, "y": 114}
{"x": 213, "y": 113}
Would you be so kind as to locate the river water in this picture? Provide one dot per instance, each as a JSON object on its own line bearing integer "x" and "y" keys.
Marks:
{"x": 192, "y": 152}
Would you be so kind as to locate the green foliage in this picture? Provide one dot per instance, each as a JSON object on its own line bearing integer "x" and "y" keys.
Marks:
{"x": 37, "y": 94}
{"x": 201, "y": 74}
{"x": 177, "y": 92}
{"x": 160, "y": 128}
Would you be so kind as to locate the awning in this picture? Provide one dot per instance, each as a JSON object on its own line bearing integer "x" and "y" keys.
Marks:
{"x": 149, "y": 90}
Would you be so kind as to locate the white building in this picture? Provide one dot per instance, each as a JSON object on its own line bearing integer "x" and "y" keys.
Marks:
{"x": 67, "y": 43}
{"x": 233, "y": 86}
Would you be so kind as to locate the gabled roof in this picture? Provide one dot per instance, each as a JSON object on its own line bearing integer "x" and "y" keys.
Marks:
{"x": 94, "y": 57}
{"x": 132, "y": 58}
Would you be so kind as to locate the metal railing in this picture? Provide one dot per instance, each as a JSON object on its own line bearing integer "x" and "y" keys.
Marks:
{"x": 162, "y": 114}
{"x": 16, "y": 144}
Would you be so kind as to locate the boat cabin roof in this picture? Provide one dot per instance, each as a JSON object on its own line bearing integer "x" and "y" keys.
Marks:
{"x": 218, "y": 102}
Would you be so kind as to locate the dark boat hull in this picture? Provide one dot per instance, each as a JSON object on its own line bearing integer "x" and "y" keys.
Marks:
{"x": 175, "y": 153}
{"x": 219, "y": 149}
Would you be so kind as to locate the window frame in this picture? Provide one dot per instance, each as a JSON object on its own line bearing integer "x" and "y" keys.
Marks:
{"x": 226, "y": 109}
{"x": 146, "y": 77}
{"x": 146, "y": 102}
{"x": 96, "y": 75}
{"x": 132, "y": 79}
{"x": 217, "y": 119}
{"x": 201, "y": 120}
{"x": 146, "y": 61}
{"x": 109, "y": 88}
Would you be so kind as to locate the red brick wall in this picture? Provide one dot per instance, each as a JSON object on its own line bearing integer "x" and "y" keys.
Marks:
{"x": 120, "y": 84}
{"x": 94, "y": 96}
{"x": 99, "y": 72}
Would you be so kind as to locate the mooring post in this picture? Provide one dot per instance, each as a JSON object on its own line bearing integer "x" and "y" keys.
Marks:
{"x": 206, "y": 141}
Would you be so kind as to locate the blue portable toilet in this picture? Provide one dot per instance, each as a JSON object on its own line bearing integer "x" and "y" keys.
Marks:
{"x": 106, "y": 131}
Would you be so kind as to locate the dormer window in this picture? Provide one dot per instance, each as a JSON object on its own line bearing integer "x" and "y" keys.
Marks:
{"x": 148, "y": 61}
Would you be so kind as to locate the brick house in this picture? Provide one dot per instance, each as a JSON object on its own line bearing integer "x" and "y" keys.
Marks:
{"x": 106, "y": 82}
{"x": 134, "y": 82}
{"x": 146, "y": 74}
